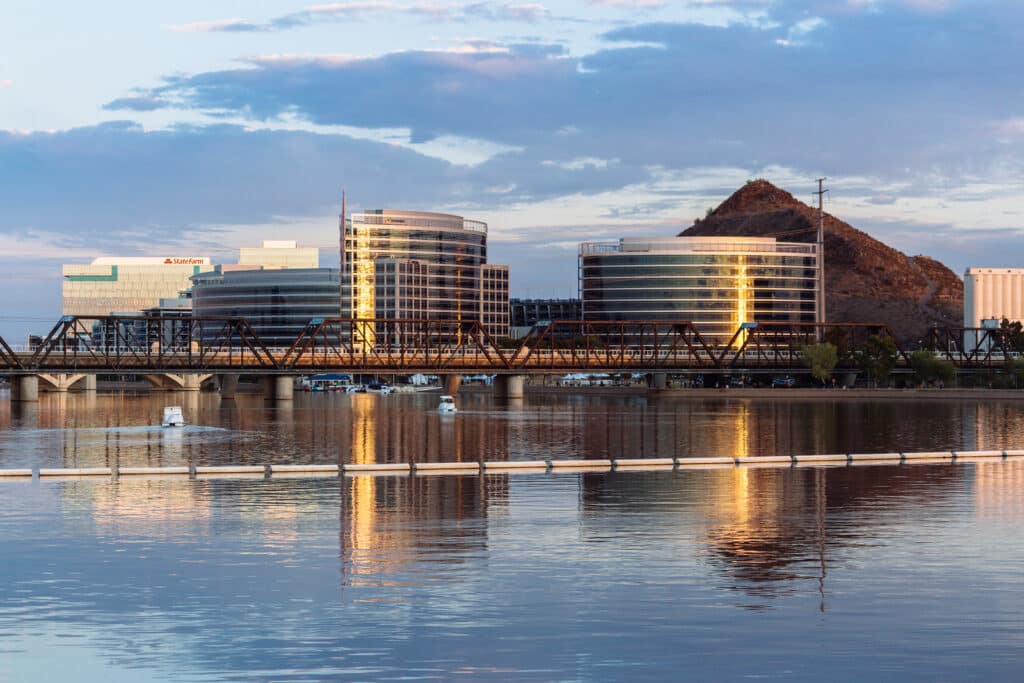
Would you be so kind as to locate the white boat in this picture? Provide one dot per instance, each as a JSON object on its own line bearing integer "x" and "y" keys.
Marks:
{"x": 447, "y": 405}
{"x": 173, "y": 417}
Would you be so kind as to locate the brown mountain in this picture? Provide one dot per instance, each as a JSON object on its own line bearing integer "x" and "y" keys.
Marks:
{"x": 865, "y": 280}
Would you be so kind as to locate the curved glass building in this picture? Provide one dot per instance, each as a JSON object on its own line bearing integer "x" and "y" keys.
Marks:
{"x": 717, "y": 283}
{"x": 448, "y": 253}
{"x": 277, "y": 303}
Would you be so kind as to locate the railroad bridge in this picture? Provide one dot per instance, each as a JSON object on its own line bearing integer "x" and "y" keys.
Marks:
{"x": 183, "y": 353}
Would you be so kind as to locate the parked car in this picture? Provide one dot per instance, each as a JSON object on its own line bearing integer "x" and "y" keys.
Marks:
{"x": 785, "y": 382}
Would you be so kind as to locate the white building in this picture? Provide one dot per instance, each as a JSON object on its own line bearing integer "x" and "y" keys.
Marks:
{"x": 993, "y": 294}
{"x": 276, "y": 254}
{"x": 118, "y": 283}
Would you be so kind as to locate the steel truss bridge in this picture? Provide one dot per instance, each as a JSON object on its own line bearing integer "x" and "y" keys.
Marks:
{"x": 132, "y": 344}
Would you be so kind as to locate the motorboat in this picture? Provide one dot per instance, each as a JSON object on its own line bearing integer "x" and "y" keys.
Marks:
{"x": 447, "y": 405}
{"x": 173, "y": 417}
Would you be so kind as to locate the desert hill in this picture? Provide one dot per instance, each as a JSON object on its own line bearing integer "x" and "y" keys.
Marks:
{"x": 865, "y": 280}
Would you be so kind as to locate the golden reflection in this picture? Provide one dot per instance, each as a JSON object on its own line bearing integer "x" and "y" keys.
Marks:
{"x": 743, "y": 296}
{"x": 362, "y": 510}
{"x": 999, "y": 490}
{"x": 363, "y": 286}
{"x": 155, "y": 508}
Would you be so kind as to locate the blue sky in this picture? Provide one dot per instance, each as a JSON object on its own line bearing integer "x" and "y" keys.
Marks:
{"x": 198, "y": 127}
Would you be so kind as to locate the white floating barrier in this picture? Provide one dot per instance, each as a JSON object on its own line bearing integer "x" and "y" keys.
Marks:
{"x": 580, "y": 464}
{"x": 973, "y": 455}
{"x": 153, "y": 471}
{"x": 764, "y": 461}
{"x": 821, "y": 459}
{"x": 376, "y": 469}
{"x": 231, "y": 470}
{"x": 875, "y": 458}
{"x": 75, "y": 472}
{"x": 305, "y": 469}
{"x": 1013, "y": 454}
{"x": 446, "y": 467}
{"x": 526, "y": 466}
{"x": 704, "y": 462}
{"x": 643, "y": 463}
{"x": 15, "y": 473}
{"x": 934, "y": 455}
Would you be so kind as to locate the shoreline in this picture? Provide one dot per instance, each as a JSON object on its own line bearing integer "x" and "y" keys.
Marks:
{"x": 861, "y": 394}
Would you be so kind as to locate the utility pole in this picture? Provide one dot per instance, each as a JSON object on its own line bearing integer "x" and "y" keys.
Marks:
{"x": 820, "y": 312}
{"x": 341, "y": 252}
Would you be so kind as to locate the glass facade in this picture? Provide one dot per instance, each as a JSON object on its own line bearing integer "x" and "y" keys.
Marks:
{"x": 277, "y": 303}
{"x": 452, "y": 249}
{"x": 717, "y": 283}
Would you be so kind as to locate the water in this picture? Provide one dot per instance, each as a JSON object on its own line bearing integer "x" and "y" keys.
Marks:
{"x": 894, "y": 573}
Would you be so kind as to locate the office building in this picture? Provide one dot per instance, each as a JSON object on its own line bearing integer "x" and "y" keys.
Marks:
{"x": 113, "y": 283}
{"x": 717, "y": 283}
{"x": 277, "y": 303}
{"x": 275, "y": 254}
{"x": 453, "y": 251}
{"x": 525, "y": 314}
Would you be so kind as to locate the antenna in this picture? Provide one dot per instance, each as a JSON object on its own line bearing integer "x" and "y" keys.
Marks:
{"x": 820, "y": 313}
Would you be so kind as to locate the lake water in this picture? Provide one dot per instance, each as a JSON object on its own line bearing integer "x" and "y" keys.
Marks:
{"x": 893, "y": 573}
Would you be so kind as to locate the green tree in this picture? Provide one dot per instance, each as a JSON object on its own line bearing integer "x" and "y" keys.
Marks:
{"x": 930, "y": 368}
{"x": 837, "y": 337}
{"x": 821, "y": 359}
{"x": 877, "y": 358}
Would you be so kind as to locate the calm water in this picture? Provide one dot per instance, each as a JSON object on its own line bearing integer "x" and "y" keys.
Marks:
{"x": 893, "y": 573}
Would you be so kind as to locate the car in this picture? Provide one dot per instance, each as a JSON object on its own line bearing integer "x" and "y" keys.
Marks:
{"x": 785, "y": 382}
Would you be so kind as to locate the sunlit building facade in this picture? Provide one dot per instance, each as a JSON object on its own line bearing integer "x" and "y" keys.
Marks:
{"x": 717, "y": 283}
{"x": 452, "y": 249}
{"x": 113, "y": 284}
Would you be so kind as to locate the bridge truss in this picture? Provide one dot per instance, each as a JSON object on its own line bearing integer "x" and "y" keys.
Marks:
{"x": 140, "y": 344}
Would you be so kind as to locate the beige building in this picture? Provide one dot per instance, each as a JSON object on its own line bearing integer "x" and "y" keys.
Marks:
{"x": 275, "y": 254}
{"x": 113, "y": 284}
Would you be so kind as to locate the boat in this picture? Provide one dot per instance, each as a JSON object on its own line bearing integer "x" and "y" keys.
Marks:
{"x": 447, "y": 405}
{"x": 173, "y": 417}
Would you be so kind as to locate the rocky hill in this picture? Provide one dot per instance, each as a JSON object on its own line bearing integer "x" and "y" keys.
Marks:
{"x": 865, "y": 280}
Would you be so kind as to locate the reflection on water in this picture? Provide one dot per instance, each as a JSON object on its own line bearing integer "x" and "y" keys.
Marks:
{"x": 593, "y": 577}
{"x": 78, "y": 430}
{"x": 905, "y": 572}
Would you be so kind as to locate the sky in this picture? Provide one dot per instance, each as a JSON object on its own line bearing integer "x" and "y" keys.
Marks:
{"x": 195, "y": 128}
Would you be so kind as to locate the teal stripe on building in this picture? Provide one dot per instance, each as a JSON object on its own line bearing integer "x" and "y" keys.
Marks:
{"x": 95, "y": 278}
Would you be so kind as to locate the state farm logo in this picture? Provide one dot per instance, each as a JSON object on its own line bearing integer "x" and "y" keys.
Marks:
{"x": 184, "y": 261}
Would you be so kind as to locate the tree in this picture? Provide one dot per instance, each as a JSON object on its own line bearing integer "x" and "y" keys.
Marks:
{"x": 930, "y": 368}
{"x": 838, "y": 337}
{"x": 877, "y": 358}
{"x": 821, "y": 359}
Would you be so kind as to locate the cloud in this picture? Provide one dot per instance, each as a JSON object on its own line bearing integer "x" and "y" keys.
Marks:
{"x": 673, "y": 95}
{"x": 355, "y": 11}
{"x": 6, "y": 83}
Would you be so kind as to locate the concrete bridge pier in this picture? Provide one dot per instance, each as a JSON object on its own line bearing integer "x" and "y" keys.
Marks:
{"x": 170, "y": 381}
{"x": 62, "y": 382}
{"x": 279, "y": 388}
{"x": 228, "y": 385}
{"x": 657, "y": 381}
{"x": 451, "y": 384}
{"x": 509, "y": 386}
{"x": 25, "y": 388}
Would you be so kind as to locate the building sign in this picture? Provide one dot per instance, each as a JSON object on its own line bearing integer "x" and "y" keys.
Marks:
{"x": 185, "y": 261}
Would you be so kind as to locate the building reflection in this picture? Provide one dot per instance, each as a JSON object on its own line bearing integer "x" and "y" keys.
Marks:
{"x": 389, "y": 524}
